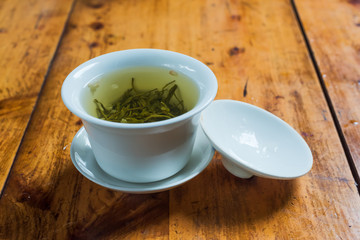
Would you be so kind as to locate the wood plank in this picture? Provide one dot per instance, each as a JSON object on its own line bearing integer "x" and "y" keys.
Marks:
{"x": 45, "y": 197}
{"x": 257, "y": 42}
{"x": 272, "y": 62}
{"x": 29, "y": 34}
{"x": 336, "y": 48}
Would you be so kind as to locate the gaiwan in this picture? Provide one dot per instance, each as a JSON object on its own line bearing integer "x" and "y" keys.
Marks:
{"x": 140, "y": 95}
{"x": 139, "y": 152}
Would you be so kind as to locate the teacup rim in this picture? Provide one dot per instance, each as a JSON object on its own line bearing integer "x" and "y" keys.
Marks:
{"x": 66, "y": 97}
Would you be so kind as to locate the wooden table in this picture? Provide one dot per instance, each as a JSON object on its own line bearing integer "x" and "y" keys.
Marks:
{"x": 298, "y": 59}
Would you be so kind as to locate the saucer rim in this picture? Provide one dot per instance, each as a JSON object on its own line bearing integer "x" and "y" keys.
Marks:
{"x": 203, "y": 163}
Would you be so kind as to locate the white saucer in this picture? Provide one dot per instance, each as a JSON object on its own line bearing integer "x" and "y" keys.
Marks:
{"x": 84, "y": 160}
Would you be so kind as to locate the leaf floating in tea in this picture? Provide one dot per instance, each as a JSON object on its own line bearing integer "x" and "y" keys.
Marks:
{"x": 172, "y": 72}
{"x": 93, "y": 87}
{"x": 136, "y": 106}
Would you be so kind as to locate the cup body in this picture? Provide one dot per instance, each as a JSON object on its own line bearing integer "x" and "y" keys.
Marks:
{"x": 142, "y": 155}
{"x": 140, "y": 152}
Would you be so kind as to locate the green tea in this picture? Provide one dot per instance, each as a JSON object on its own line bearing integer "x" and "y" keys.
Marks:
{"x": 140, "y": 94}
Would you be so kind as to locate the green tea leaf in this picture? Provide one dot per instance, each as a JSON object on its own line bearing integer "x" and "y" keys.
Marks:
{"x": 135, "y": 106}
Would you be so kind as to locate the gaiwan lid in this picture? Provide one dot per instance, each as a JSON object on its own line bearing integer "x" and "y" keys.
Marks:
{"x": 253, "y": 141}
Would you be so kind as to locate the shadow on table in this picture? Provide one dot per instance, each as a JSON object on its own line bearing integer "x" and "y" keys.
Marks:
{"x": 217, "y": 198}
{"x": 96, "y": 212}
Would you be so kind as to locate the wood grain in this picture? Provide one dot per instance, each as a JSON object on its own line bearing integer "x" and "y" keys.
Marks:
{"x": 256, "y": 44}
{"x": 259, "y": 48}
{"x": 29, "y": 34}
{"x": 45, "y": 197}
{"x": 336, "y": 46}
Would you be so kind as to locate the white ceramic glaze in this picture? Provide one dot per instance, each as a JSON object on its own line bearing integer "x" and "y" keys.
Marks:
{"x": 84, "y": 160}
{"x": 253, "y": 141}
{"x": 144, "y": 152}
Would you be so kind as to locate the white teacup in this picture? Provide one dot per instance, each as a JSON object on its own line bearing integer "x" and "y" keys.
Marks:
{"x": 140, "y": 152}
